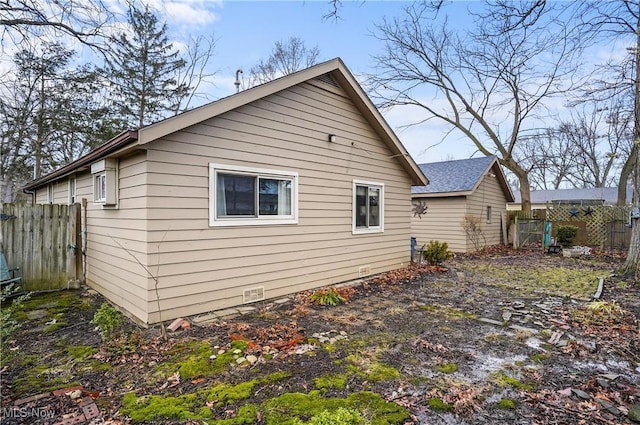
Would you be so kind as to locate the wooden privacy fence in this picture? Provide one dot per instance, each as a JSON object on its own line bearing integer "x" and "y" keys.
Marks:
{"x": 44, "y": 241}
{"x": 604, "y": 226}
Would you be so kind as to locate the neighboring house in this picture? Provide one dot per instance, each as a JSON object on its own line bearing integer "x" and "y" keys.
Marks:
{"x": 541, "y": 199}
{"x": 291, "y": 185}
{"x": 468, "y": 189}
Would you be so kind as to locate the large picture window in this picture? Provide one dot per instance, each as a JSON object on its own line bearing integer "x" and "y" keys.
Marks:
{"x": 245, "y": 196}
{"x": 368, "y": 207}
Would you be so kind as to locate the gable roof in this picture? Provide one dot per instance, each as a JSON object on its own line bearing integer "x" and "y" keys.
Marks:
{"x": 460, "y": 177}
{"x": 604, "y": 195}
{"x": 335, "y": 68}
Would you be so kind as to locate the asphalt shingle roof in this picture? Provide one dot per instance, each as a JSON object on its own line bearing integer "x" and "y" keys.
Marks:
{"x": 607, "y": 195}
{"x": 453, "y": 176}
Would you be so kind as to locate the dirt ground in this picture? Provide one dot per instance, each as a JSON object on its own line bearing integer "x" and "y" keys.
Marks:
{"x": 503, "y": 337}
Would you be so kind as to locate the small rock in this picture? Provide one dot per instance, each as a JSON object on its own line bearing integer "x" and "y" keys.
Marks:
{"x": 506, "y": 316}
{"x": 580, "y": 394}
{"x": 517, "y": 305}
{"x": 565, "y": 392}
{"x": 75, "y": 394}
{"x": 634, "y": 413}
{"x": 152, "y": 363}
{"x": 237, "y": 351}
{"x": 240, "y": 360}
{"x": 490, "y": 321}
{"x": 252, "y": 359}
{"x": 213, "y": 357}
{"x": 343, "y": 333}
{"x": 221, "y": 352}
{"x": 602, "y": 382}
{"x": 611, "y": 408}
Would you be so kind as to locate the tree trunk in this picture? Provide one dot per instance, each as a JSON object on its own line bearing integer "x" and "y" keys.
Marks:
{"x": 525, "y": 192}
{"x": 626, "y": 171}
{"x": 632, "y": 264}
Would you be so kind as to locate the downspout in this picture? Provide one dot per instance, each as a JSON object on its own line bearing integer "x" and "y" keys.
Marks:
{"x": 32, "y": 193}
{"x": 84, "y": 241}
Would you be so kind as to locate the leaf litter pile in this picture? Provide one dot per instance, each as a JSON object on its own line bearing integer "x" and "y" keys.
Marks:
{"x": 499, "y": 337}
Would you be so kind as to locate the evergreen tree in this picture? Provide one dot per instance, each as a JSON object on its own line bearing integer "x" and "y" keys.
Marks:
{"x": 144, "y": 69}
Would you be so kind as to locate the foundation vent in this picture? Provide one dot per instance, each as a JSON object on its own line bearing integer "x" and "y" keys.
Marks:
{"x": 364, "y": 271}
{"x": 253, "y": 294}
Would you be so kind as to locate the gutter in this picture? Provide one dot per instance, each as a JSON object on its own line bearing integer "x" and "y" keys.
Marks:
{"x": 112, "y": 145}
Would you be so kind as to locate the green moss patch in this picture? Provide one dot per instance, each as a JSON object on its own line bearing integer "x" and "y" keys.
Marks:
{"x": 507, "y": 403}
{"x": 448, "y": 311}
{"x": 571, "y": 282}
{"x": 41, "y": 379}
{"x": 446, "y": 367}
{"x": 193, "y": 359}
{"x": 509, "y": 381}
{"x": 196, "y": 405}
{"x": 291, "y": 407}
{"x": 327, "y": 382}
{"x": 438, "y": 405}
{"x": 539, "y": 357}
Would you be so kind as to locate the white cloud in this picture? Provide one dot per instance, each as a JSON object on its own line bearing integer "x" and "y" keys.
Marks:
{"x": 191, "y": 12}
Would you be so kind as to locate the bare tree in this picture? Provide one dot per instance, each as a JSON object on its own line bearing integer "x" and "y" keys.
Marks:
{"x": 49, "y": 113}
{"x": 548, "y": 159}
{"x": 83, "y": 20}
{"x": 199, "y": 52}
{"x": 286, "y": 58}
{"x": 620, "y": 20}
{"x": 585, "y": 150}
{"x": 493, "y": 78}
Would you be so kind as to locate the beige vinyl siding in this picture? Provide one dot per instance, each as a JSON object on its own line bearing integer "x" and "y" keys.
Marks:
{"x": 445, "y": 216}
{"x": 442, "y": 222}
{"x": 488, "y": 193}
{"x": 115, "y": 235}
{"x": 202, "y": 268}
{"x": 60, "y": 193}
{"x": 41, "y": 195}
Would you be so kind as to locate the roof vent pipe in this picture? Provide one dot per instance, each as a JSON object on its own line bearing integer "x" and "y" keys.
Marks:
{"x": 237, "y": 83}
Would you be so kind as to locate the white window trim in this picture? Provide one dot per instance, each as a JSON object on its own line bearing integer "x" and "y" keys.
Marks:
{"x": 107, "y": 167}
{"x": 359, "y": 230}
{"x": 73, "y": 189}
{"x": 96, "y": 188}
{"x": 50, "y": 193}
{"x": 251, "y": 221}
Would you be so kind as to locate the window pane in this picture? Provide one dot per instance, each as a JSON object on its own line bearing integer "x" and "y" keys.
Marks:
{"x": 235, "y": 195}
{"x": 361, "y": 206}
{"x": 275, "y": 197}
{"x": 374, "y": 207}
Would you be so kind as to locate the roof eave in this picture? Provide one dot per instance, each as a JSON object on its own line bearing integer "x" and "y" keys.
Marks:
{"x": 118, "y": 142}
{"x": 339, "y": 71}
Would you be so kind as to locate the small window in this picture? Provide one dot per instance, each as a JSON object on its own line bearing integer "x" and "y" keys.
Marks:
{"x": 72, "y": 190}
{"x": 368, "y": 207}
{"x": 100, "y": 187}
{"x": 50, "y": 193}
{"x": 246, "y": 196}
{"x": 105, "y": 182}
{"x": 488, "y": 214}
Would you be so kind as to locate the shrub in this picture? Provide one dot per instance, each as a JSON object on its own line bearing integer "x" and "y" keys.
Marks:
{"x": 437, "y": 252}
{"x": 473, "y": 228}
{"x": 566, "y": 234}
{"x": 327, "y": 297}
{"x": 8, "y": 323}
{"x": 108, "y": 319}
